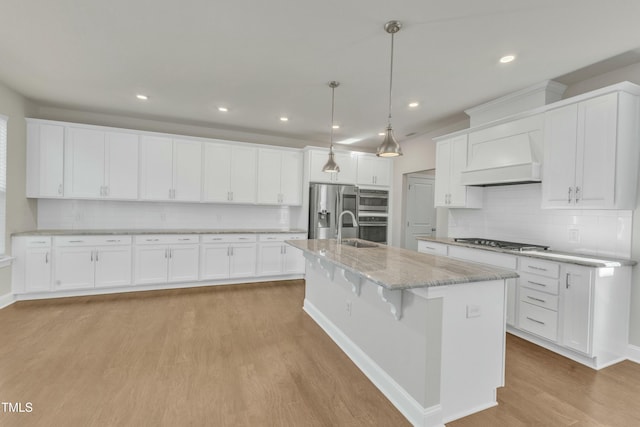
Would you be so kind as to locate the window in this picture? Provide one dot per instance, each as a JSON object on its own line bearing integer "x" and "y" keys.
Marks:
{"x": 3, "y": 182}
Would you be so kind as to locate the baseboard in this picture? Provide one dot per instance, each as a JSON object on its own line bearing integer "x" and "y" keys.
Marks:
{"x": 6, "y": 300}
{"x": 152, "y": 287}
{"x": 634, "y": 353}
{"x": 407, "y": 405}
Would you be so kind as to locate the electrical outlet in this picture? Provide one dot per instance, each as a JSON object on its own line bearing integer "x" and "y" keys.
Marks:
{"x": 349, "y": 308}
{"x": 473, "y": 311}
{"x": 574, "y": 235}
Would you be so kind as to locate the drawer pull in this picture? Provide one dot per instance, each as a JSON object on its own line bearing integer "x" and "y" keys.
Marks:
{"x": 534, "y": 320}
{"x": 76, "y": 241}
{"x": 113, "y": 240}
{"x": 185, "y": 240}
{"x": 533, "y": 267}
{"x": 39, "y": 241}
{"x": 536, "y": 299}
{"x": 536, "y": 283}
{"x": 152, "y": 240}
{"x": 430, "y": 248}
{"x": 217, "y": 238}
{"x": 243, "y": 238}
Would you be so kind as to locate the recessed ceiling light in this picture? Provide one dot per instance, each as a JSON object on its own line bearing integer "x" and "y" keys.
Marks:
{"x": 336, "y": 126}
{"x": 223, "y": 109}
{"x": 142, "y": 97}
{"x": 349, "y": 141}
{"x": 414, "y": 104}
{"x": 284, "y": 119}
{"x": 507, "y": 58}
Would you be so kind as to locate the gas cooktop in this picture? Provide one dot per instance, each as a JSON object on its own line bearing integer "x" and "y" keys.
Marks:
{"x": 512, "y": 246}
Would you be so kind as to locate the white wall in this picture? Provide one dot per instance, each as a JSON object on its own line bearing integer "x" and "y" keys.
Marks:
{"x": 21, "y": 212}
{"x": 419, "y": 154}
{"x": 108, "y": 215}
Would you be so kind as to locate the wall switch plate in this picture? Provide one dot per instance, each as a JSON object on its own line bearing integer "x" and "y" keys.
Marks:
{"x": 473, "y": 311}
{"x": 349, "y": 308}
{"x": 574, "y": 235}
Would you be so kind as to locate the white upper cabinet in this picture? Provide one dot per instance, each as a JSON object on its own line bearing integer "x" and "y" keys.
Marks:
{"x": 374, "y": 171}
{"x": 279, "y": 177}
{"x": 591, "y": 154}
{"x": 229, "y": 173}
{"x": 100, "y": 164}
{"x": 347, "y": 161}
{"x": 45, "y": 160}
{"x": 170, "y": 169}
{"x": 451, "y": 160}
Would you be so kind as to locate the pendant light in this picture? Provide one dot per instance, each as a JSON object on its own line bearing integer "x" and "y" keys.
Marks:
{"x": 331, "y": 166}
{"x": 389, "y": 146}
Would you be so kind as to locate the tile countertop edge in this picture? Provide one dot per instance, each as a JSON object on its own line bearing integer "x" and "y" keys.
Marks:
{"x": 143, "y": 232}
{"x": 481, "y": 277}
{"x": 545, "y": 255}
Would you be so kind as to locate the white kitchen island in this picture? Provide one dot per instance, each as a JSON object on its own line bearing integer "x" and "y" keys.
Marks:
{"x": 428, "y": 331}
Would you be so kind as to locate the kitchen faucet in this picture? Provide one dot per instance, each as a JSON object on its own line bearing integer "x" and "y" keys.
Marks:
{"x": 355, "y": 224}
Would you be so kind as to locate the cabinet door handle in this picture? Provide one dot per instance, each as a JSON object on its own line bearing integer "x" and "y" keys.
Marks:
{"x": 536, "y": 283}
{"x": 165, "y": 253}
{"x": 91, "y": 256}
{"x": 533, "y": 267}
{"x": 534, "y": 320}
{"x": 46, "y": 258}
{"x": 567, "y": 281}
{"x": 170, "y": 253}
{"x": 536, "y": 299}
{"x": 231, "y": 250}
{"x": 577, "y": 194}
{"x": 60, "y": 189}
{"x": 569, "y": 195}
{"x": 97, "y": 256}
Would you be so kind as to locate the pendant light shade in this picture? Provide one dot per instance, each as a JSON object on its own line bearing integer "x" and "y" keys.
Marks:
{"x": 331, "y": 166}
{"x": 389, "y": 146}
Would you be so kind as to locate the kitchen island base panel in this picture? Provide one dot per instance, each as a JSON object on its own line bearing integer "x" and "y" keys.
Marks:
{"x": 442, "y": 360}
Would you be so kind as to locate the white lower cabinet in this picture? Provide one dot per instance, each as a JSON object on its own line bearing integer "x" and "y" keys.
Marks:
{"x": 577, "y": 308}
{"x": 538, "y": 297}
{"x": 37, "y": 265}
{"x": 227, "y": 256}
{"x": 166, "y": 258}
{"x": 91, "y": 261}
{"x": 277, "y": 257}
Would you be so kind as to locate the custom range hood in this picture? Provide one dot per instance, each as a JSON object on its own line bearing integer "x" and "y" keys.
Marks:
{"x": 512, "y": 159}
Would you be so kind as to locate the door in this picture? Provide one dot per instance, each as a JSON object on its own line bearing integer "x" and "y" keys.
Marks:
{"x": 51, "y": 160}
{"x": 443, "y": 172}
{"x": 214, "y": 262}
{"x": 151, "y": 264}
{"x": 244, "y": 163}
{"x": 243, "y": 260}
{"x": 293, "y": 260}
{"x": 183, "y": 263}
{"x": 121, "y": 166}
{"x": 156, "y": 168}
{"x": 577, "y": 302}
{"x": 596, "y": 152}
{"x": 38, "y": 270}
{"x": 269, "y": 166}
{"x": 217, "y": 173}
{"x": 559, "y": 168}
{"x": 420, "y": 210}
{"x": 291, "y": 178}
{"x": 74, "y": 268}
{"x": 113, "y": 266}
{"x": 512, "y": 301}
{"x": 187, "y": 170}
{"x": 457, "y": 191}
{"x": 84, "y": 160}
{"x": 270, "y": 259}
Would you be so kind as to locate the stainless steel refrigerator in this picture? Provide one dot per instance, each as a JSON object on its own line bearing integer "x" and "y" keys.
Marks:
{"x": 326, "y": 202}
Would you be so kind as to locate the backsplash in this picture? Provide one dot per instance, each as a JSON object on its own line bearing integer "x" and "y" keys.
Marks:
{"x": 513, "y": 213}
{"x": 97, "y": 214}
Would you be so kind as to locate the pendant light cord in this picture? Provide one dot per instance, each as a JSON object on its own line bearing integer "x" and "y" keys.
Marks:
{"x": 391, "y": 78}
{"x": 333, "y": 94}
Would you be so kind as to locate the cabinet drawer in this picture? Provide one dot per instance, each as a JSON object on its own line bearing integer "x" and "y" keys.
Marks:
{"x": 169, "y": 239}
{"x": 65, "y": 241}
{"x": 38, "y": 242}
{"x": 427, "y": 247}
{"x": 281, "y": 237}
{"x": 538, "y": 320}
{"x": 536, "y": 266}
{"x": 539, "y": 298}
{"x": 227, "y": 238}
{"x": 539, "y": 283}
{"x": 483, "y": 256}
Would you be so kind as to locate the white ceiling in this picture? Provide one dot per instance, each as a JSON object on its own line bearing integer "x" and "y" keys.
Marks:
{"x": 264, "y": 59}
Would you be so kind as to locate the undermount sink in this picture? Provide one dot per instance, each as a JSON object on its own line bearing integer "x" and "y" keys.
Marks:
{"x": 359, "y": 244}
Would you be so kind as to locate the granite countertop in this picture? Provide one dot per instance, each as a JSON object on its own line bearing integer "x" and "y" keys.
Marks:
{"x": 396, "y": 268}
{"x": 161, "y": 231}
{"x": 586, "y": 260}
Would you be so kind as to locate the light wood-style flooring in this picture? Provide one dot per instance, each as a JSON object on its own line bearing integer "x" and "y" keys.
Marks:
{"x": 247, "y": 355}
